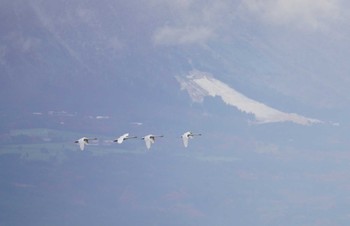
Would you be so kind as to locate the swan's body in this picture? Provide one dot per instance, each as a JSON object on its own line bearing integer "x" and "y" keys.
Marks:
{"x": 83, "y": 141}
{"x": 123, "y": 137}
{"x": 188, "y": 135}
{"x": 150, "y": 139}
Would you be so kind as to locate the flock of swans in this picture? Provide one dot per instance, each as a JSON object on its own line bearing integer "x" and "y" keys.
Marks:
{"x": 149, "y": 139}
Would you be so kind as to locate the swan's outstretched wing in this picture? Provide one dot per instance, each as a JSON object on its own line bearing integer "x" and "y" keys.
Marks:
{"x": 81, "y": 144}
{"x": 150, "y": 139}
{"x": 185, "y": 140}
{"x": 83, "y": 141}
{"x": 122, "y": 138}
{"x": 185, "y": 137}
{"x": 148, "y": 142}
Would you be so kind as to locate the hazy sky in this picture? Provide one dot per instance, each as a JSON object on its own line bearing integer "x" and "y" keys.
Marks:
{"x": 298, "y": 48}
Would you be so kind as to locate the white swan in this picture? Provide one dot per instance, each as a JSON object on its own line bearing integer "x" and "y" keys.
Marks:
{"x": 82, "y": 141}
{"x": 188, "y": 135}
{"x": 123, "y": 137}
{"x": 150, "y": 139}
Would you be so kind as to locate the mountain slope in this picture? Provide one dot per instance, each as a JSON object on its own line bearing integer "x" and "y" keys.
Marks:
{"x": 199, "y": 85}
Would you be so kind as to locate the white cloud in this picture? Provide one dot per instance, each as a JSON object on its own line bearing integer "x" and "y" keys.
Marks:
{"x": 175, "y": 4}
{"x": 191, "y": 21}
{"x": 305, "y": 14}
{"x": 188, "y": 35}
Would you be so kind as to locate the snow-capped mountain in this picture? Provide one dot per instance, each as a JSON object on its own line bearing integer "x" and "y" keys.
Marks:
{"x": 200, "y": 84}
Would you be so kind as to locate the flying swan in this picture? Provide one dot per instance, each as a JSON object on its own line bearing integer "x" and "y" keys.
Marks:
{"x": 188, "y": 135}
{"x": 123, "y": 137}
{"x": 150, "y": 139}
{"x": 82, "y": 141}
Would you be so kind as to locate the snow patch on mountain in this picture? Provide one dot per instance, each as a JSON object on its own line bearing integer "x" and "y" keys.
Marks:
{"x": 201, "y": 84}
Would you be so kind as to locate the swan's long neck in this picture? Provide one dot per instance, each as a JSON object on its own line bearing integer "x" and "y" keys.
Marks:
{"x": 195, "y": 134}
